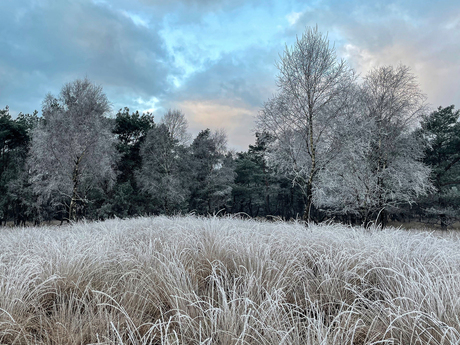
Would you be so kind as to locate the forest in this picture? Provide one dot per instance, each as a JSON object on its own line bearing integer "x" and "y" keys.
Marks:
{"x": 329, "y": 145}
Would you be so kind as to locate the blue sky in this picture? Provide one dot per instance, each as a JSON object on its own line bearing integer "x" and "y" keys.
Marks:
{"x": 214, "y": 60}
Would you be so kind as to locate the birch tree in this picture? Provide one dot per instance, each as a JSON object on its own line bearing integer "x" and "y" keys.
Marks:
{"x": 313, "y": 94}
{"x": 73, "y": 148}
{"x": 177, "y": 125}
{"x": 380, "y": 165}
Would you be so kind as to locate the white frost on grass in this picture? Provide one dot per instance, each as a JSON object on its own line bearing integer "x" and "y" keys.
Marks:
{"x": 188, "y": 280}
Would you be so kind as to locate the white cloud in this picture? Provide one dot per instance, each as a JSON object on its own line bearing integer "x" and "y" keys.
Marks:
{"x": 136, "y": 19}
{"x": 293, "y": 17}
{"x": 438, "y": 81}
{"x": 147, "y": 105}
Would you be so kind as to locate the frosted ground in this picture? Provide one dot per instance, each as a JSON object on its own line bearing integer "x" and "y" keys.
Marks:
{"x": 190, "y": 280}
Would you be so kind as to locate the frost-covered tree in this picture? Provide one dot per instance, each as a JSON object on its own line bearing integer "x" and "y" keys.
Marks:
{"x": 219, "y": 137}
{"x": 177, "y": 125}
{"x": 314, "y": 91}
{"x": 73, "y": 149}
{"x": 163, "y": 168}
{"x": 380, "y": 165}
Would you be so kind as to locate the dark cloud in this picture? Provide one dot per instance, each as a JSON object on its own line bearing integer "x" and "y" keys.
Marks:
{"x": 212, "y": 56}
{"x": 45, "y": 44}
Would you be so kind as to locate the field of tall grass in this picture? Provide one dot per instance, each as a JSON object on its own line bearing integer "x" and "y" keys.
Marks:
{"x": 188, "y": 280}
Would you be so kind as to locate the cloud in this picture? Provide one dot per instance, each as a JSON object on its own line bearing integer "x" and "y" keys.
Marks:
{"x": 136, "y": 18}
{"x": 212, "y": 57}
{"x": 236, "y": 121}
{"x": 146, "y": 106}
{"x": 246, "y": 76}
{"x": 46, "y": 44}
{"x": 199, "y": 5}
{"x": 228, "y": 93}
{"x": 293, "y": 17}
{"x": 423, "y": 35}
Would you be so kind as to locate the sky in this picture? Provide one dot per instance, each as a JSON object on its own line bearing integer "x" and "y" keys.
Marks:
{"x": 213, "y": 59}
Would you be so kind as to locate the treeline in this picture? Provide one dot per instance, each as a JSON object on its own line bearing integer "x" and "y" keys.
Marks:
{"x": 69, "y": 165}
{"x": 155, "y": 168}
{"x": 328, "y": 146}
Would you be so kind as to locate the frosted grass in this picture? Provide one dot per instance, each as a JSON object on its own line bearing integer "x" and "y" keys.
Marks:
{"x": 188, "y": 280}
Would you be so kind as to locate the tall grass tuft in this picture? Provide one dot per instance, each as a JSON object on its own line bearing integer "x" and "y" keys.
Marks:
{"x": 190, "y": 280}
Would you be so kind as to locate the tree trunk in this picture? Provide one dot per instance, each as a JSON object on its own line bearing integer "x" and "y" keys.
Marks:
{"x": 267, "y": 186}
{"x": 308, "y": 205}
{"x": 166, "y": 208}
{"x": 72, "y": 207}
{"x": 443, "y": 220}
{"x": 73, "y": 200}
{"x": 442, "y": 216}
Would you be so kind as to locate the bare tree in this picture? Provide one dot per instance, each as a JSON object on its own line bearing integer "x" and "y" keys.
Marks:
{"x": 73, "y": 148}
{"x": 162, "y": 172}
{"x": 177, "y": 125}
{"x": 220, "y": 139}
{"x": 314, "y": 91}
{"x": 392, "y": 96}
{"x": 380, "y": 165}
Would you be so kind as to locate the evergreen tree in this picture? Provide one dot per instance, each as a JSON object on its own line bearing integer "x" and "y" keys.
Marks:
{"x": 16, "y": 197}
{"x": 131, "y": 131}
{"x": 441, "y": 134}
{"x": 212, "y": 174}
